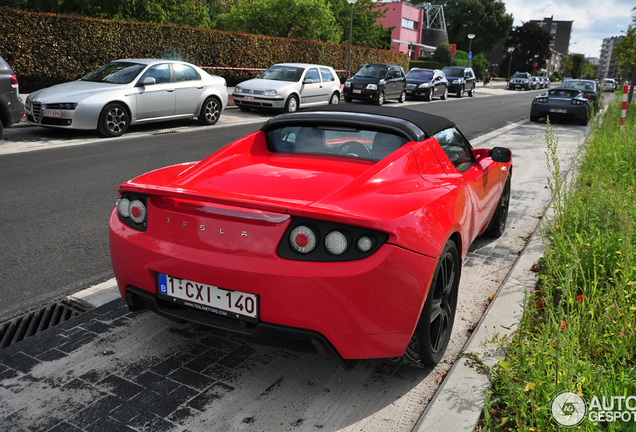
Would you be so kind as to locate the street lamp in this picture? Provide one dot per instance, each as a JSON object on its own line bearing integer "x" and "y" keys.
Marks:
{"x": 470, "y": 44}
{"x": 351, "y": 2}
{"x": 510, "y": 50}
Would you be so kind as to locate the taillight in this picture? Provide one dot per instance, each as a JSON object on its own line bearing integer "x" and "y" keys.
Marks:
{"x": 542, "y": 100}
{"x": 14, "y": 80}
{"x": 336, "y": 242}
{"x": 578, "y": 102}
{"x": 132, "y": 211}
{"x": 302, "y": 239}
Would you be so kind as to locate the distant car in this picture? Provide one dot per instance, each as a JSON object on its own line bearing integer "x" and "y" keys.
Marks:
{"x": 460, "y": 80}
{"x": 338, "y": 230}
{"x": 520, "y": 80}
{"x": 588, "y": 87}
{"x": 610, "y": 84}
{"x": 546, "y": 82}
{"x": 11, "y": 106}
{"x": 561, "y": 102}
{"x": 536, "y": 83}
{"x": 289, "y": 87}
{"x": 426, "y": 83}
{"x": 376, "y": 82}
{"x": 128, "y": 92}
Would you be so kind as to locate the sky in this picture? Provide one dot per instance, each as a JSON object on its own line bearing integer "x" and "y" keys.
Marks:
{"x": 594, "y": 20}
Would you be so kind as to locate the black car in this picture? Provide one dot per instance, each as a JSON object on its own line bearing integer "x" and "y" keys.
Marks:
{"x": 11, "y": 106}
{"x": 520, "y": 80}
{"x": 588, "y": 87}
{"x": 460, "y": 80}
{"x": 376, "y": 82}
{"x": 561, "y": 102}
{"x": 426, "y": 83}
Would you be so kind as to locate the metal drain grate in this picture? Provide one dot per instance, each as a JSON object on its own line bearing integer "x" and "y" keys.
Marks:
{"x": 165, "y": 133}
{"x": 37, "y": 321}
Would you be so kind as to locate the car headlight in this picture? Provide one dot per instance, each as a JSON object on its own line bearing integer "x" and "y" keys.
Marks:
{"x": 347, "y": 84}
{"x": 269, "y": 93}
{"x": 424, "y": 85}
{"x": 458, "y": 81}
{"x": 62, "y": 106}
{"x": 372, "y": 86}
{"x": 238, "y": 90}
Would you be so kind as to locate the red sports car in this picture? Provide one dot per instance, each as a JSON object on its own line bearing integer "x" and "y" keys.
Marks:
{"x": 340, "y": 230}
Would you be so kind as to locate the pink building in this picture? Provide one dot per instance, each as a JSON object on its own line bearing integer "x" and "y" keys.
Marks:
{"x": 408, "y": 21}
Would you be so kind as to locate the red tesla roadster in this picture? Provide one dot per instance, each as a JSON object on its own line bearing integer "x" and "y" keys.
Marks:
{"x": 338, "y": 230}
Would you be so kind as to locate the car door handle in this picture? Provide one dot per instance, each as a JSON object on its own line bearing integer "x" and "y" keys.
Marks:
{"x": 170, "y": 90}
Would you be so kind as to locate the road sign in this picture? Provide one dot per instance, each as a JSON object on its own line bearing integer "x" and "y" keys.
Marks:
{"x": 453, "y": 48}
{"x": 470, "y": 56}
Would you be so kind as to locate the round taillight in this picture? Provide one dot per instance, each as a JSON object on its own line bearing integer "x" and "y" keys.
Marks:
{"x": 302, "y": 239}
{"x": 365, "y": 244}
{"x": 123, "y": 207}
{"x": 137, "y": 211}
{"x": 336, "y": 242}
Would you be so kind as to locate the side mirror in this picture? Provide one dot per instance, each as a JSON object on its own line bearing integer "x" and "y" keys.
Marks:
{"x": 500, "y": 154}
{"x": 149, "y": 81}
{"x": 308, "y": 81}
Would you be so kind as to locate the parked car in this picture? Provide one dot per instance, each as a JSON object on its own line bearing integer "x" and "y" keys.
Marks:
{"x": 128, "y": 92}
{"x": 288, "y": 87}
{"x": 588, "y": 87}
{"x": 11, "y": 106}
{"x": 338, "y": 230}
{"x": 610, "y": 84}
{"x": 460, "y": 80}
{"x": 561, "y": 102}
{"x": 546, "y": 82}
{"x": 520, "y": 80}
{"x": 536, "y": 83}
{"x": 426, "y": 83}
{"x": 376, "y": 83}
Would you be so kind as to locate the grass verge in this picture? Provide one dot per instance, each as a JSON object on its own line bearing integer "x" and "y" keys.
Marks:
{"x": 578, "y": 332}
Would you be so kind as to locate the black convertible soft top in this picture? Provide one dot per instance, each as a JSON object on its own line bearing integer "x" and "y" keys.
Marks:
{"x": 415, "y": 125}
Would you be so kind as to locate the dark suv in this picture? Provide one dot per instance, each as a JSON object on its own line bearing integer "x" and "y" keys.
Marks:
{"x": 460, "y": 80}
{"x": 376, "y": 82}
{"x": 521, "y": 80}
{"x": 11, "y": 106}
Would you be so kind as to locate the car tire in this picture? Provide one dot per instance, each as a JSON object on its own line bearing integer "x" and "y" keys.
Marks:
{"x": 291, "y": 105}
{"x": 335, "y": 99}
{"x": 584, "y": 122}
{"x": 471, "y": 93}
{"x": 428, "y": 96}
{"x": 433, "y": 331}
{"x": 244, "y": 108}
{"x": 210, "y": 111}
{"x": 348, "y": 99}
{"x": 113, "y": 120}
{"x": 460, "y": 92}
{"x": 402, "y": 96}
{"x": 380, "y": 100}
{"x": 534, "y": 119}
{"x": 445, "y": 94}
{"x": 497, "y": 224}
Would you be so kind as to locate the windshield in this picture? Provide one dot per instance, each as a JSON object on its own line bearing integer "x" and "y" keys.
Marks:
{"x": 372, "y": 71}
{"x": 282, "y": 73}
{"x": 420, "y": 74}
{"x": 520, "y": 75}
{"x": 115, "y": 73}
{"x": 334, "y": 141}
{"x": 453, "y": 72}
{"x": 563, "y": 93}
{"x": 579, "y": 85}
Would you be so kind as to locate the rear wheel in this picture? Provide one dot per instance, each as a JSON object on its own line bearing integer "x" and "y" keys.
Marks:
{"x": 113, "y": 120}
{"x": 445, "y": 94}
{"x": 497, "y": 224}
{"x": 534, "y": 119}
{"x": 432, "y": 334}
{"x": 402, "y": 96}
{"x": 335, "y": 98}
{"x": 210, "y": 111}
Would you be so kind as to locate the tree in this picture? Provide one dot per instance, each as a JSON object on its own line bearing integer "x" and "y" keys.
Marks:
{"x": 625, "y": 54}
{"x": 298, "y": 19}
{"x": 529, "y": 40}
{"x": 486, "y": 19}
{"x": 365, "y": 30}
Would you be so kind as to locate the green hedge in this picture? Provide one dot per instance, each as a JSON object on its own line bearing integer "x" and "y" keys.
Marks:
{"x": 46, "y": 49}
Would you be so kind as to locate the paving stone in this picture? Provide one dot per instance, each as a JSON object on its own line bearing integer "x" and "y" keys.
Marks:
{"x": 120, "y": 387}
{"x": 21, "y": 362}
{"x": 65, "y": 427}
{"x": 96, "y": 411}
{"x": 168, "y": 404}
{"x": 157, "y": 383}
{"x": 136, "y": 405}
{"x": 148, "y": 422}
{"x": 236, "y": 357}
{"x": 191, "y": 378}
{"x": 216, "y": 392}
{"x": 77, "y": 342}
{"x": 51, "y": 355}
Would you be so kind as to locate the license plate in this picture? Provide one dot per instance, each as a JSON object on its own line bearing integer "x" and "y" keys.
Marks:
{"x": 249, "y": 98}
{"x": 558, "y": 110}
{"x": 409, "y": 91}
{"x": 357, "y": 91}
{"x": 51, "y": 113}
{"x": 209, "y": 298}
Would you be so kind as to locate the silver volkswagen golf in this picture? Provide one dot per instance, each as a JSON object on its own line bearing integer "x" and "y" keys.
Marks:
{"x": 127, "y": 92}
{"x": 289, "y": 86}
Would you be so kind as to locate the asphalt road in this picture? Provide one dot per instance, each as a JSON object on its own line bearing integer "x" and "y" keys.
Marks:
{"x": 56, "y": 198}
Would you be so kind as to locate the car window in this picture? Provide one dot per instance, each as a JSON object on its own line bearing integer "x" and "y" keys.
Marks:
{"x": 372, "y": 71}
{"x": 456, "y": 148}
{"x": 469, "y": 73}
{"x": 326, "y": 75}
{"x": 453, "y": 72}
{"x": 115, "y": 73}
{"x": 184, "y": 72}
{"x": 283, "y": 73}
{"x": 160, "y": 72}
{"x": 420, "y": 74}
{"x": 312, "y": 74}
{"x": 334, "y": 141}
{"x": 563, "y": 92}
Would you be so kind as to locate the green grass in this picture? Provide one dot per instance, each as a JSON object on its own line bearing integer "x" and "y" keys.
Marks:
{"x": 578, "y": 332}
